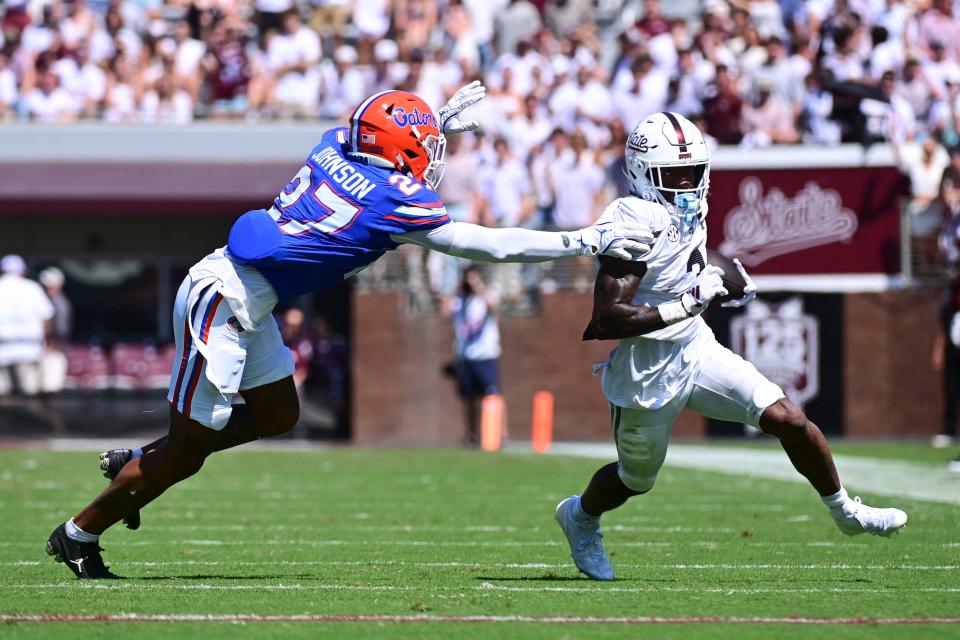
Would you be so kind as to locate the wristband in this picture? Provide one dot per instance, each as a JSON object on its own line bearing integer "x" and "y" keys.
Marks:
{"x": 673, "y": 312}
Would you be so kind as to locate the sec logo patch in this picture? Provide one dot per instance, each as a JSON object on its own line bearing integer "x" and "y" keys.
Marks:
{"x": 673, "y": 233}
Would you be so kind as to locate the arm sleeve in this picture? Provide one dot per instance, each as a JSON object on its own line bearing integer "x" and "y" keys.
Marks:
{"x": 484, "y": 244}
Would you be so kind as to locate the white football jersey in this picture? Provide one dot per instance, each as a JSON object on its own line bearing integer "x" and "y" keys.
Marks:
{"x": 673, "y": 263}
{"x": 649, "y": 371}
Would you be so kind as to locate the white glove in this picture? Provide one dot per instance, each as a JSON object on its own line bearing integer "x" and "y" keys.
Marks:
{"x": 709, "y": 284}
{"x": 467, "y": 95}
{"x": 615, "y": 239}
{"x": 749, "y": 291}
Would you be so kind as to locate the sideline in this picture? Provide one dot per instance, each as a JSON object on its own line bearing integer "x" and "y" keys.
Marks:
{"x": 872, "y": 476}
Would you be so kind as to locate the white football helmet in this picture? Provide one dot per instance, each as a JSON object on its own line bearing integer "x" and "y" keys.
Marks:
{"x": 667, "y": 161}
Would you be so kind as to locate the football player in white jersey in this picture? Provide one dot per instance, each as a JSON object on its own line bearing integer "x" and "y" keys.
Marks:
{"x": 667, "y": 357}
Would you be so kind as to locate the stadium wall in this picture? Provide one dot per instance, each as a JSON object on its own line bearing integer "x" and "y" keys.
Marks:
{"x": 402, "y": 398}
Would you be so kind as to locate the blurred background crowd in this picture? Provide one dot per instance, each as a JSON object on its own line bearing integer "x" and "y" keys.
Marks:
{"x": 752, "y": 72}
{"x": 566, "y": 79}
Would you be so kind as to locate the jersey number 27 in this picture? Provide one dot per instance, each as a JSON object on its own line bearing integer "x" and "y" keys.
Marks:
{"x": 339, "y": 213}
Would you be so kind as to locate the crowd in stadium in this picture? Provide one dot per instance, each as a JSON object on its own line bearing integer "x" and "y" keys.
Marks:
{"x": 566, "y": 79}
{"x": 753, "y": 72}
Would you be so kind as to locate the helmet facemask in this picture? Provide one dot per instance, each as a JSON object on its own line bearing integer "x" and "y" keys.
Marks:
{"x": 682, "y": 189}
{"x": 436, "y": 150}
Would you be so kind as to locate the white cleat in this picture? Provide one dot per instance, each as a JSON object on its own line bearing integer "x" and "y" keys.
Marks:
{"x": 857, "y": 518}
{"x": 586, "y": 541}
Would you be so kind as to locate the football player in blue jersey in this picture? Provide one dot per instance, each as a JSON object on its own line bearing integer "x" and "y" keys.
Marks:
{"x": 363, "y": 191}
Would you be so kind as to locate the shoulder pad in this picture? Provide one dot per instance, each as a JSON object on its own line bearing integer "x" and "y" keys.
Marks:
{"x": 636, "y": 212}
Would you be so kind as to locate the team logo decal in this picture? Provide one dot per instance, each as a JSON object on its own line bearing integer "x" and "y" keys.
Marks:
{"x": 771, "y": 224}
{"x": 415, "y": 118}
{"x": 673, "y": 233}
{"x": 638, "y": 142}
{"x": 783, "y": 343}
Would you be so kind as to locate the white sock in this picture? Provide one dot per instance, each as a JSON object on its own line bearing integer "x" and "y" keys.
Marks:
{"x": 582, "y": 515}
{"x": 76, "y": 533}
{"x": 136, "y": 453}
{"x": 836, "y": 501}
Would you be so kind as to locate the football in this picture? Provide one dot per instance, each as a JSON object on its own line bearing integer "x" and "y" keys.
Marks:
{"x": 733, "y": 282}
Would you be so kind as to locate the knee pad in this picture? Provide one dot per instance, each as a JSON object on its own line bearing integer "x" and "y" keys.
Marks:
{"x": 640, "y": 460}
{"x": 638, "y": 483}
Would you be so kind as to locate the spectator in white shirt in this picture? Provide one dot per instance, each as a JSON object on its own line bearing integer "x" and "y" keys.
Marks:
{"x": 37, "y": 38}
{"x": 815, "y": 113}
{"x": 189, "y": 55}
{"x": 25, "y": 313}
{"x": 577, "y": 182}
{"x": 505, "y": 188}
{"x": 914, "y": 88}
{"x": 845, "y": 62}
{"x": 85, "y": 81}
{"x": 387, "y": 72}
{"x": 166, "y": 103}
{"x": 886, "y": 55}
{"x": 122, "y": 93}
{"x": 924, "y": 165}
{"x": 293, "y": 56}
{"x": 647, "y": 92}
{"x": 585, "y": 103}
{"x": 49, "y": 102}
{"x": 890, "y": 118}
{"x": 371, "y": 21}
{"x": 936, "y": 69}
{"x": 114, "y": 38}
{"x": 482, "y": 15}
{"x": 528, "y": 129}
{"x": 344, "y": 85}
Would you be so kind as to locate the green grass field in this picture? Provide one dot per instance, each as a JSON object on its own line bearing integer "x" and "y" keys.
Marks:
{"x": 438, "y": 536}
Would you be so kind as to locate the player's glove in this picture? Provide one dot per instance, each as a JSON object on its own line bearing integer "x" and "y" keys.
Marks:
{"x": 709, "y": 284}
{"x": 450, "y": 123}
{"x": 749, "y": 291}
{"x": 614, "y": 239}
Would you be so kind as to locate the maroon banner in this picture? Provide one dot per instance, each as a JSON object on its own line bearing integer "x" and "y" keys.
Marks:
{"x": 808, "y": 221}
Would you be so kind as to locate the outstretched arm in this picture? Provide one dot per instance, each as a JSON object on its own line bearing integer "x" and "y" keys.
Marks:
{"x": 484, "y": 244}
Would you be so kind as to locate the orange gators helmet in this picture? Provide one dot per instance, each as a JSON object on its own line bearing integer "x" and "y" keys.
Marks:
{"x": 398, "y": 130}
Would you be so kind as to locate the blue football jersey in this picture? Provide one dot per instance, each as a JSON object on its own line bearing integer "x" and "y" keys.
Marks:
{"x": 332, "y": 220}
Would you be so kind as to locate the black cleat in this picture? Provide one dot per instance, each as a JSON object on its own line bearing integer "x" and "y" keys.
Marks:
{"x": 83, "y": 558}
{"x": 110, "y": 463}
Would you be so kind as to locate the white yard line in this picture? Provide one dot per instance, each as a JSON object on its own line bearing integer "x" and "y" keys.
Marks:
{"x": 872, "y": 476}
{"x": 707, "y": 544}
{"x": 173, "y": 585}
{"x": 422, "y": 619}
{"x": 509, "y": 565}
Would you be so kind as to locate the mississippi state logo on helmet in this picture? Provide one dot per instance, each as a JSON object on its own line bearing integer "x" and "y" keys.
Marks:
{"x": 667, "y": 161}
{"x": 398, "y": 130}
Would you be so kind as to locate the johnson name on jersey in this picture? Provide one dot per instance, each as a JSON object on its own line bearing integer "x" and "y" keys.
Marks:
{"x": 332, "y": 220}
{"x": 673, "y": 263}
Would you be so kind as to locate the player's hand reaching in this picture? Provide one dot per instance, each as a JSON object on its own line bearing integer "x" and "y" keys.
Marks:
{"x": 615, "y": 239}
{"x": 709, "y": 285}
{"x": 450, "y": 122}
{"x": 749, "y": 291}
